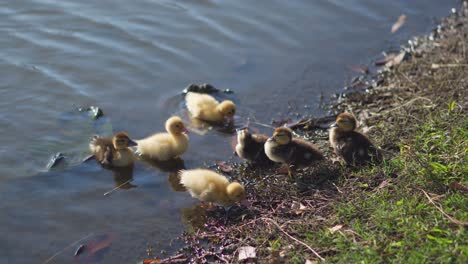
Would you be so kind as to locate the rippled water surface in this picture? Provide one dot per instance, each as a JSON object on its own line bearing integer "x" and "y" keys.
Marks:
{"x": 132, "y": 59}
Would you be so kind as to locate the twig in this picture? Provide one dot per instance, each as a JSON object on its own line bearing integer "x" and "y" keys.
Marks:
{"x": 451, "y": 65}
{"x": 67, "y": 247}
{"x": 338, "y": 189}
{"x": 111, "y": 191}
{"x": 455, "y": 221}
{"x": 293, "y": 238}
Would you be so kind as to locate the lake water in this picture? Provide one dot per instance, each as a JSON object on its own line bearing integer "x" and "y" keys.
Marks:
{"x": 132, "y": 59}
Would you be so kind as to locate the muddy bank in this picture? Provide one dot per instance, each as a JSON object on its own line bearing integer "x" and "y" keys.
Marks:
{"x": 284, "y": 215}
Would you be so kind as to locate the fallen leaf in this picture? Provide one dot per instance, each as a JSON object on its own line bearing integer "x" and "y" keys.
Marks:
{"x": 246, "y": 253}
{"x": 396, "y": 60}
{"x": 335, "y": 228}
{"x": 384, "y": 184}
{"x": 298, "y": 208}
{"x": 152, "y": 261}
{"x": 99, "y": 244}
{"x": 311, "y": 262}
{"x": 399, "y": 23}
{"x": 386, "y": 59}
{"x": 224, "y": 167}
{"x": 360, "y": 69}
{"x": 458, "y": 186}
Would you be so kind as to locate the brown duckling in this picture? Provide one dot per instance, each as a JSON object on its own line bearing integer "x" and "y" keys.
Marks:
{"x": 353, "y": 147}
{"x": 251, "y": 146}
{"x": 209, "y": 186}
{"x": 113, "y": 152}
{"x": 207, "y": 108}
{"x": 165, "y": 146}
{"x": 283, "y": 148}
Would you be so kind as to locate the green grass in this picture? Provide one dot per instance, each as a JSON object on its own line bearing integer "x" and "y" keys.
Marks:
{"x": 397, "y": 223}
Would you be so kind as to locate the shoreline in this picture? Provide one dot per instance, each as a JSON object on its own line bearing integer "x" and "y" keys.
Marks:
{"x": 414, "y": 202}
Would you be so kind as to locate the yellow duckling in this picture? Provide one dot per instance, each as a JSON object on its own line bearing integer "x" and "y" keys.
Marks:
{"x": 165, "y": 146}
{"x": 283, "y": 148}
{"x": 207, "y": 108}
{"x": 209, "y": 186}
{"x": 353, "y": 147}
{"x": 251, "y": 146}
{"x": 113, "y": 152}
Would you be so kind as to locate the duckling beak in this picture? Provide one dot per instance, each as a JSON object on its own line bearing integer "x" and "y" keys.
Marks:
{"x": 334, "y": 125}
{"x": 271, "y": 139}
{"x": 132, "y": 143}
{"x": 185, "y": 130}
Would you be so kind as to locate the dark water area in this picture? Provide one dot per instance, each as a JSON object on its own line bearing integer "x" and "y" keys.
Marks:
{"x": 132, "y": 59}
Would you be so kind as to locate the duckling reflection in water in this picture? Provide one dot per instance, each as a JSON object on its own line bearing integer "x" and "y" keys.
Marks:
{"x": 113, "y": 152}
{"x": 123, "y": 176}
{"x": 209, "y": 186}
{"x": 173, "y": 166}
{"x": 283, "y": 148}
{"x": 165, "y": 146}
{"x": 351, "y": 146}
{"x": 251, "y": 147}
{"x": 207, "y": 108}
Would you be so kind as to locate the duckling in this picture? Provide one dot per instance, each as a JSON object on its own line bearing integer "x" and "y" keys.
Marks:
{"x": 251, "y": 146}
{"x": 207, "y": 108}
{"x": 165, "y": 146}
{"x": 209, "y": 186}
{"x": 113, "y": 152}
{"x": 283, "y": 148}
{"x": 353, "y": 147}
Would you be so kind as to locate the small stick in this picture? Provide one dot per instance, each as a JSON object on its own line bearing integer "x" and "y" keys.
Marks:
{"x": 455, "y": 221}
{"x": 293, "y": 238}
{"x": 67, "y": 247}
{"x": 109, "y": 192}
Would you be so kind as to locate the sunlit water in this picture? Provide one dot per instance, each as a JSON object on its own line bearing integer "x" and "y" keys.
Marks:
{"x": 132, "y": 59}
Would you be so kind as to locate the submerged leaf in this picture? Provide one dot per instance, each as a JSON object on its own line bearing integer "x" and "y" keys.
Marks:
{"x": 399, "y": 23}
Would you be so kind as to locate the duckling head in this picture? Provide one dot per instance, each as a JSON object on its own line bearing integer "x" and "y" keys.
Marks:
{"x": 175, "y": 126}
{"x": 227, "y": 109}
{"x": 235, "y": 192}
{"x": 121, "y": 140}
{"x": 281, "y": 135}
{"x": 345, "y": 121}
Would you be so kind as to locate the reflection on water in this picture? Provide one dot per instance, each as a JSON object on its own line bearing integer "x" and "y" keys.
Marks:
{"x": 123, "y": 177}
{"x": 132, "y": 59}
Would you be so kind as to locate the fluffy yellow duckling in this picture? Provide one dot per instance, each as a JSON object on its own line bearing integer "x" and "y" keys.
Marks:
{"x": 251, "y": 146}
{"x": 353, "y": 147}
{"x": 209, "y": 186}
{"x": 283, "y": 148}
{"x": 165, "y": 146}
{"x": 113, "y": 152}
{"x": 207, "y": 108}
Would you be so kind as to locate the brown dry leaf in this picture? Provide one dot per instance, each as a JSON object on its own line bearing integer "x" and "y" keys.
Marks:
{"x": 246, "y": 253}
{"x": 152, "y": 261}
{"x": 224, "y": 167}
{"x": 298, "y": 208}
{"x": 360, "y": 69}
{"x": 458, "y": 186}
{"x": 386, "y": 59}
{"x": 399, "y": 23}
{"x": 335, "y": 228}
{"x": 383, "y": 184}
{"x": 396, "y": 60}
{"x": 99, "y": 243}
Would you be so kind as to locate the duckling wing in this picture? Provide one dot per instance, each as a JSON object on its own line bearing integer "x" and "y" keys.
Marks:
{"x": 305, "y": 152}
{"x": 102, "y": 149}
{"x": 199, "y": 103}
{"x": 158, "y": 146}
{"x": 355, "y": 148}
